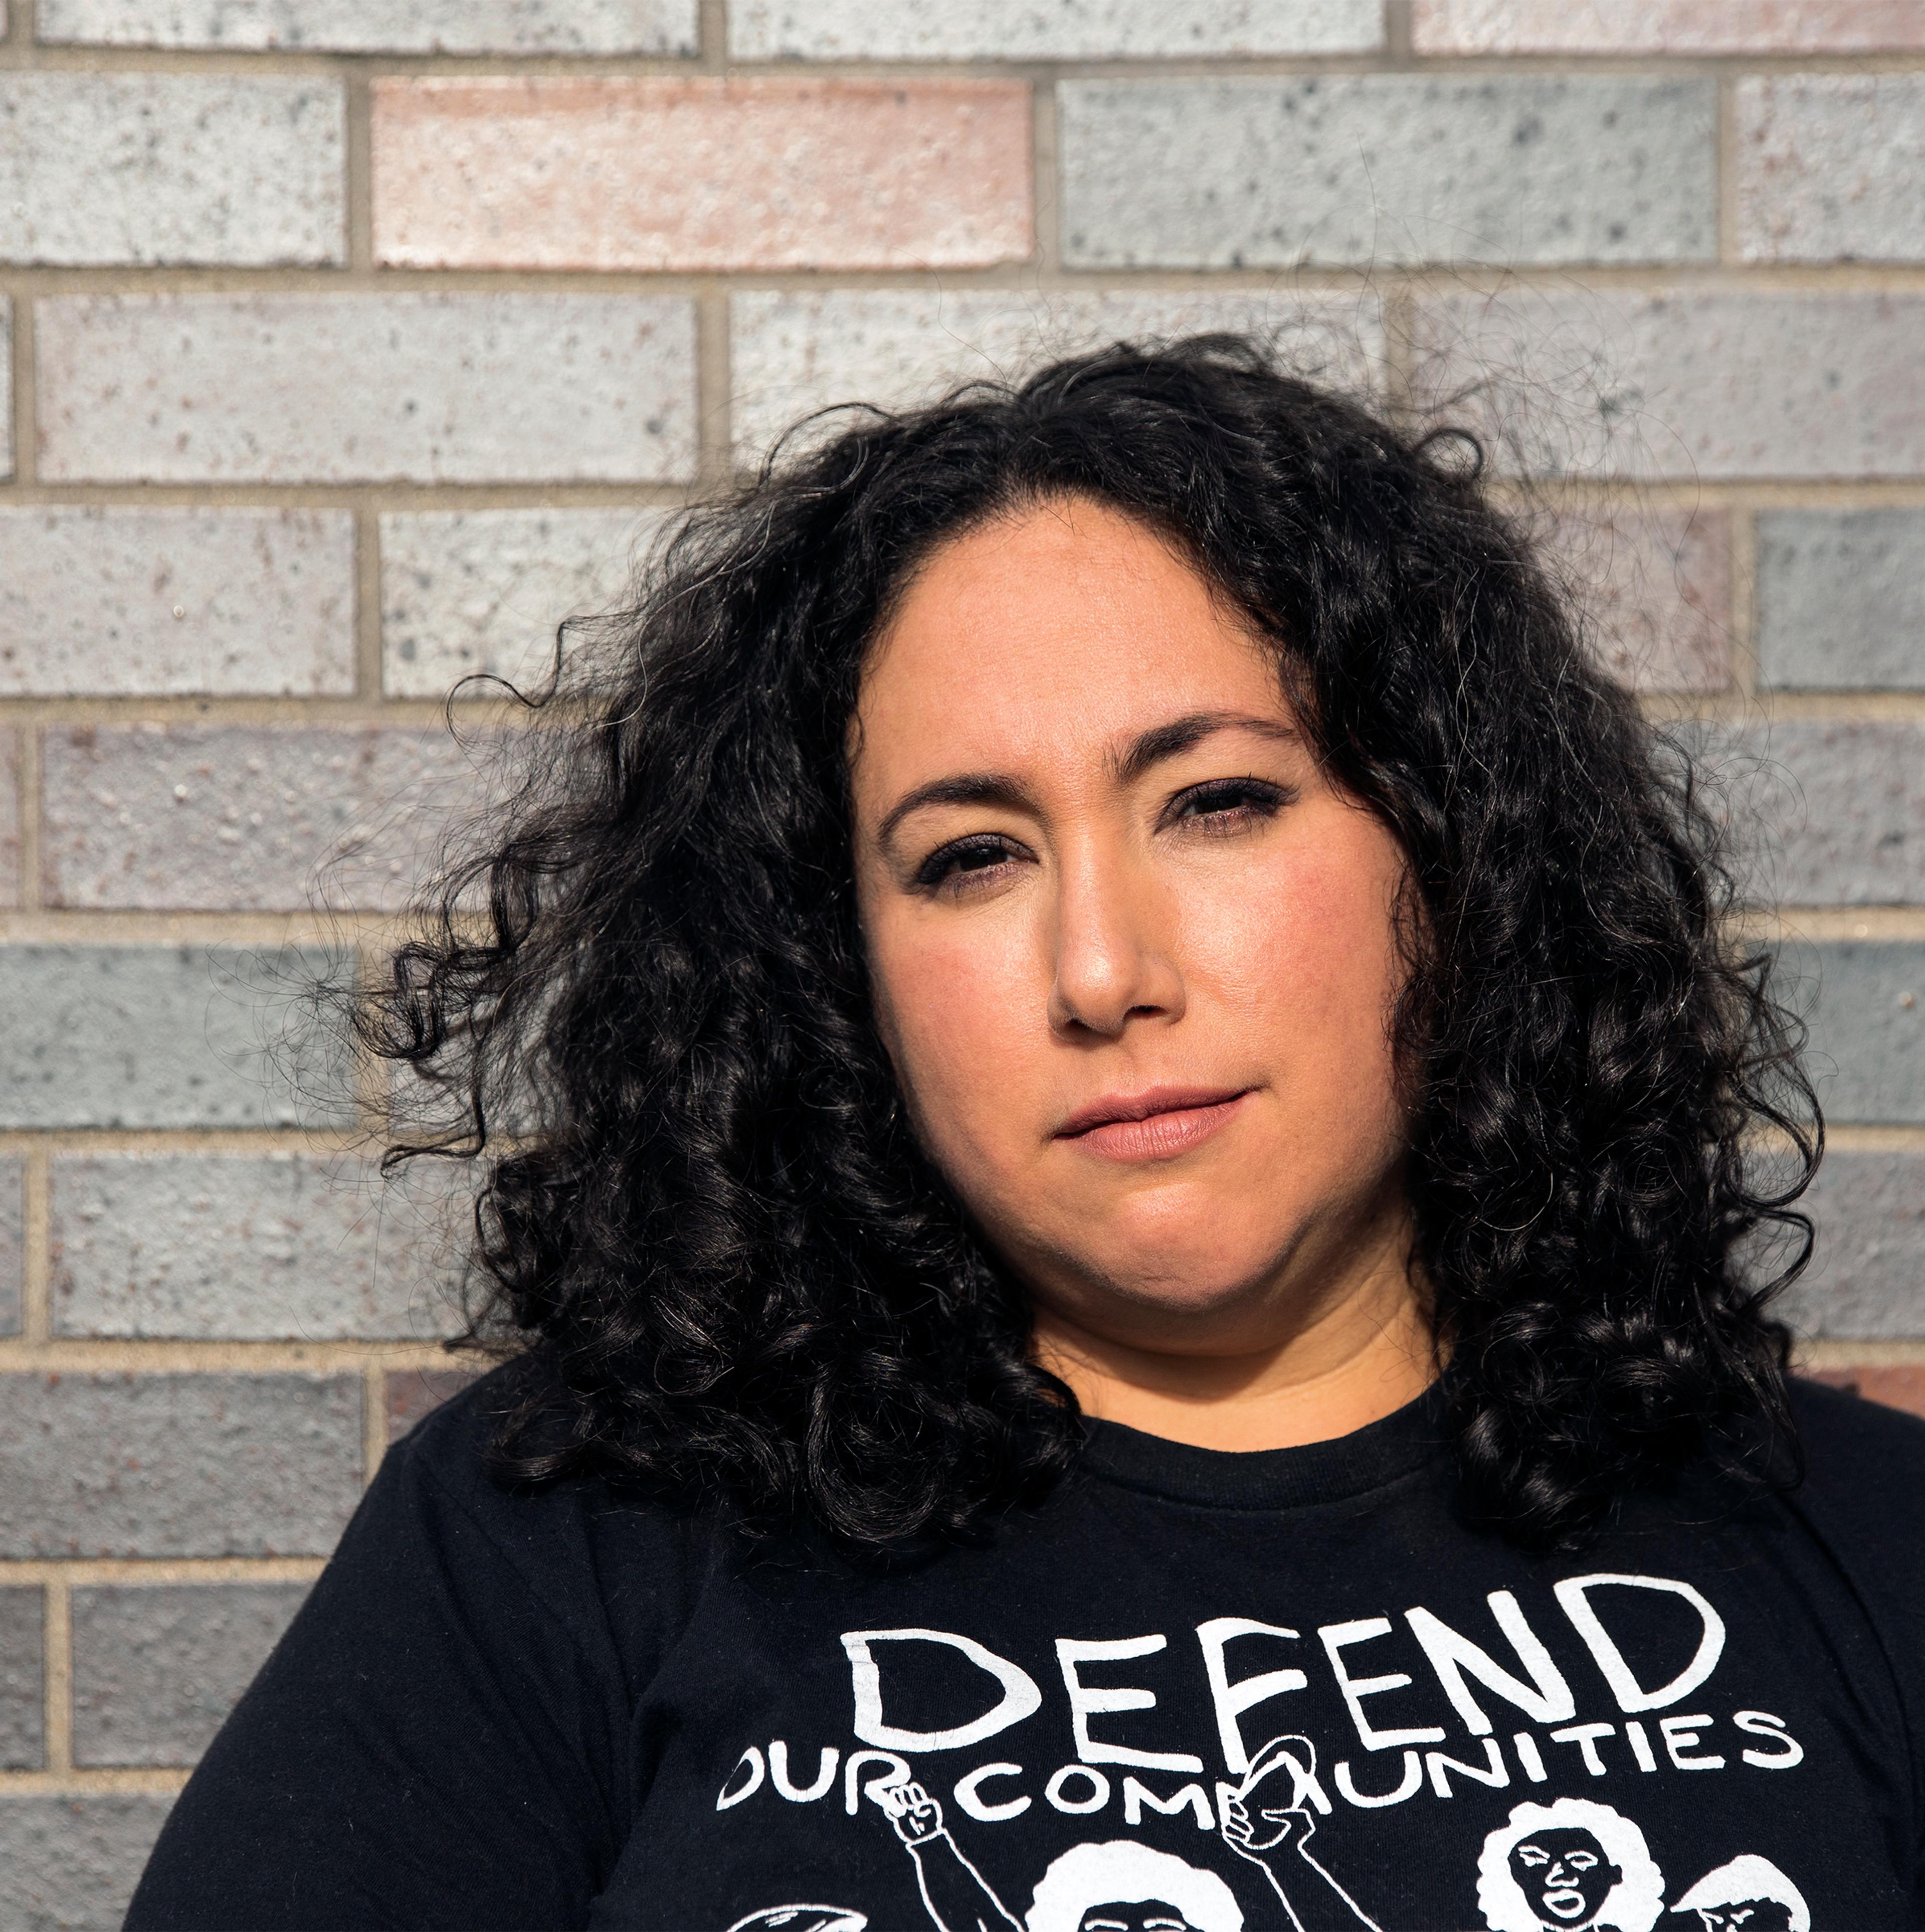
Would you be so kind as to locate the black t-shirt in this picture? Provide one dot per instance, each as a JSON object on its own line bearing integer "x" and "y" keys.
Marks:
{"x": 1288, "y": 1689}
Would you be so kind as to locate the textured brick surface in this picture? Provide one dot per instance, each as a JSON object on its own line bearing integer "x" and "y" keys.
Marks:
{"x": 125, "y": 601}
{"x": 1866, "y": 1003}
{"x": 157, "y": 1668}
{"x": 156, "y": 168}
{"x": 167, "y": 1036}
{"x": 23, "y": 1678}
{"x": 431, "y": 388}
{"x": 178, "y": 1465}
{"x": 1022, "y": 30}
{"x": 791, "y": 353}
{"x": 379, "y": 26}
{"x": 1867, "y": 1277}
{"x": 1841, "y": 597}
{"x": 10, "y": 818}
{"x": 1684, "y": 384}
{"x": 240, "y": 1247}
{"x": 468, "y": 591}
{"x": 1894, "y": 1384}
{"x": 1666, "y": 26}
{"x": 247, "y": 818}
{"x": 72, "y": 1863}
{"x": 413, "y": 1394}
{"x": 1840, "y": 807}
{"x": 12, "y": 1231}
{"x": 622, "y": 173}
{"x": 1269, "y": 172}
{"x": 1654, "y": 586}
{"x": 1832, "y": 167}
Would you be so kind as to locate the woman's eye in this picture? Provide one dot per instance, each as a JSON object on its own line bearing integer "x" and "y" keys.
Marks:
{"x": 957, "y": 866}
{"x": 1227, "y": 804}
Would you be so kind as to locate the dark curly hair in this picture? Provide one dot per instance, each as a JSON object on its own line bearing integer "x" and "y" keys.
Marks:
{"x": 719, "y": 1263}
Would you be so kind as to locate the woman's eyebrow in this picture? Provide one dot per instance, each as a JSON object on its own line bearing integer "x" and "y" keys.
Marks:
{"x": 1181, "y": 734}
{"x": 964, "y": 788}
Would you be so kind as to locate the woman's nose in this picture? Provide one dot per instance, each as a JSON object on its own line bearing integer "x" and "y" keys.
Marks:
{"x": 1114, "y": 958}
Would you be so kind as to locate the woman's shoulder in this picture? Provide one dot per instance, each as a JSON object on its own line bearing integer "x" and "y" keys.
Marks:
{"x": 1864, "y": 1448}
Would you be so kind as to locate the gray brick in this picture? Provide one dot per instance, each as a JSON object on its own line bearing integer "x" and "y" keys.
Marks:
{"x": 176, "y": 1036}
{"x": 138, "y": 602}
{"x": 1867, "y": 1278}
{"x": 156, "y": 1668}
{"x": 23, "y": 1679}
{"x": 13, "y": 1240}
{"x": 156, "y": 168}
{"x": 1831, "y": 167}
{"x": 1865, "y": 1000}
{"x": 1019, "y": 30}
{"x": 379, "y": 26}
{"x": 360, "y": 388}
{"x": 469, "y": 591}
{"x": 72, "y": 1863}
{"x": 1825, "y": 812}
{"x": 1253, "y": 173}
{"x": 118, "y": 1466}
{"x": 254, "y": 1247}
{"x": 1841, "y": 599}
{"x": 1681, "y": 384}
{"x": 239, "y": 818}
{"x": 792, "y": 353}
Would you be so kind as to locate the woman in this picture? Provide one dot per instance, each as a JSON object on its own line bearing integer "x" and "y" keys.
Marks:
{"x": 1134, "y": 1236}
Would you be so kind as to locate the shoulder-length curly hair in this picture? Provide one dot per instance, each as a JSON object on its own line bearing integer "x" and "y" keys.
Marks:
{"x": 725, "y": 1266}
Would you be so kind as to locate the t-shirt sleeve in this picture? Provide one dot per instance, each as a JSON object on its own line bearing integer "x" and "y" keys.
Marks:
{"x": 437, "y": 1741}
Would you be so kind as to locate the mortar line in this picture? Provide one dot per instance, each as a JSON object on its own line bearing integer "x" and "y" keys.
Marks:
{"x": 37, "y": 1258}
{"x": 715, "y": 404}
{"x": 711, "y": 37}
{"x": 1746, "y": 679}
{"x": 357, "y": 167}
{"x": 374, "y": 1420}
{"x": 1399, "y": 44}
{"x": 32, "y": 845}
{"x": 367, "y": 610}
{"x": 75, "y": 1784}
{"x": 1045, "y": 177}
{"x": 1725, "y": 164}
{"x": 58, "y": 1642}
{"x": 81, "y": 1572}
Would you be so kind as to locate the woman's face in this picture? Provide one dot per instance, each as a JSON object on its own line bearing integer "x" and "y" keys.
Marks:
{"x": 1134, "y": 957}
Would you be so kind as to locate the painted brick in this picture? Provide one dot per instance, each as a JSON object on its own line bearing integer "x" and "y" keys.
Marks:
{"x": 169, "y": 1036}
{"x": 1865, "y": 999}
{"x": 72, "y": 1862}
{"x": 236, "y": 1247}
{"x": 330, "y": 389}
{"x": 9, "y": 816}
{"x": 1682, "y": 385}
{"x": 412, "y": 1395}
{"x": 636, "y": 173}
{"x": 121, "y": 1466}
{"x": 23, "y": 1679}
{"x": 792, "y": 353}
{"x": 1840, "y": 807}
{"x": 156, "y": 1668}
{"x": 1253, "y": 173}
{"x": 1867, "y": 1277}
{"x": 1831, "y": 168}
{"x": 469, "y": 592}
{"x": 379, "y": 26}
{"x": 1014, "y": 30}
{"x": 240, "y": 818}
{"x": 138, "y": 602}
{"x": 1665, "y": 26}
{"x": 13, "y": 1240}
{"x": 156, "y": 168}
{"x": 1654, "y": 588}
{"x": 1841, "y": 599}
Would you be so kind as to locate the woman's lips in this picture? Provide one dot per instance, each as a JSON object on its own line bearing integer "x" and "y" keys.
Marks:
{"x": 1155, "y": 1126}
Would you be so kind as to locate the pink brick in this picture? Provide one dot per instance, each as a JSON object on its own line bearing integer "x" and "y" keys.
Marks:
{"x": 1896, "y": 1384}
{"x": 168, "y": 817}
{"x": 634, "y": 173}
{"x": 10, "y": 818}
{"x": 1666, "y": 26}
{"x": 414, "y": 1394}
{"x": 1654, "y": 586}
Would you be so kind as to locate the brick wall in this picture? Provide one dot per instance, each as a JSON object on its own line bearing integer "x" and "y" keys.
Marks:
{"x": 352, "y": 344}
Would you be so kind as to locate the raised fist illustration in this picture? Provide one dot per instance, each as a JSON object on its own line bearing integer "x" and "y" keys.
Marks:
{"x": 1267, "y": 1808}
{"x": 916, "y": 1816}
